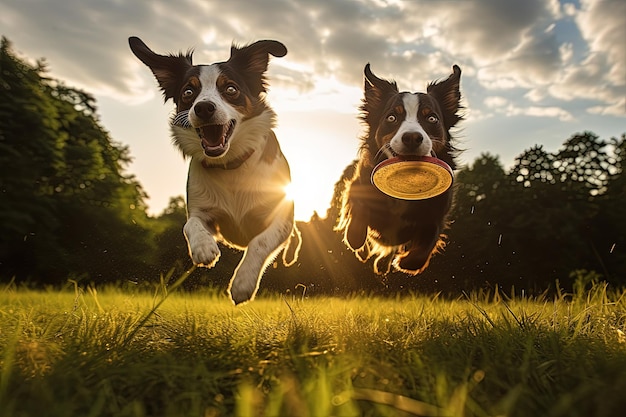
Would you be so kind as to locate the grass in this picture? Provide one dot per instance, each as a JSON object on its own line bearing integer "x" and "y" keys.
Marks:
{"x": 136, "y": 353}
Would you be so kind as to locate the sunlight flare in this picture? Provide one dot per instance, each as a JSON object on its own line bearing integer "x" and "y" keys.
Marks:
{"x": 289, "y": 192}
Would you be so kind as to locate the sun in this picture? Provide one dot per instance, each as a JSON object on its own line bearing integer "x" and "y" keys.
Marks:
{"x": 309, "y": 194}
{"x": 289, "y": 192}
{"x": 303, "y": 198}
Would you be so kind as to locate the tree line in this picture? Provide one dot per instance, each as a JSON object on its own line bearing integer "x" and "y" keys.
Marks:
{"x": 69, "y": 210}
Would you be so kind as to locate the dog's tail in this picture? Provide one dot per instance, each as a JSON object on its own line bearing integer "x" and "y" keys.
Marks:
{"x": 291, "y": 251}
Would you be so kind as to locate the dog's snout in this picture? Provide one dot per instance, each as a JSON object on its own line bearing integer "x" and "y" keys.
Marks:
{"x": 204, "y": 109}
{"x": 412, "y": 139}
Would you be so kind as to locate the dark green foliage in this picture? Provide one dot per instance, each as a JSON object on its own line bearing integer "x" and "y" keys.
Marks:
{"x": 542, "y": 219}
{"x": 67, "y": 208}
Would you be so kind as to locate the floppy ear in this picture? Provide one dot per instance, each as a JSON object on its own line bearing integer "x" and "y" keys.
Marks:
{"x": 448, "y": 96}
{"x": 169, "y": 70}
{"x": 376, "y": 90}
{"x": 252, "y": 61}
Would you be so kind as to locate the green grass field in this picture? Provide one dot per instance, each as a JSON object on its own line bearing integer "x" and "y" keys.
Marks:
{"x": 135, "y": 353}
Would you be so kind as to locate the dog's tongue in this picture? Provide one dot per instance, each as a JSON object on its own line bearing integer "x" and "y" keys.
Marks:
{"x": 212, "y": 135}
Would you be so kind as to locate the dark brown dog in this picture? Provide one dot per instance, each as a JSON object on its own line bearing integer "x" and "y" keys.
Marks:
{"x": 400, "y": 233}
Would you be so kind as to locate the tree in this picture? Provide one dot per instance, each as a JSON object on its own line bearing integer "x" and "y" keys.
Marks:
{"x": 479, "y": 247}
{"x": 552, "y": 213}
{"x": 609, "y": 225}
{"x": 66, "y": 207}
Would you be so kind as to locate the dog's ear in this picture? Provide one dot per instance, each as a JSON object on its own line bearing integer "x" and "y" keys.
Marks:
{"x": 169, "y": 70}
{"x": 252, "y": 61}
{"x": 376, "y": 89}
{"x": 448, "y": 96}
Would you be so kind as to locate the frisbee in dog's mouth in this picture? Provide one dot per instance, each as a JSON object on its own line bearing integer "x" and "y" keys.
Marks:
{"x": 214, "y": 138}
{"x": 412, "y": 178}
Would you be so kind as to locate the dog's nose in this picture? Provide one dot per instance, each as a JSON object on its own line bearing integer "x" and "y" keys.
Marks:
{"x": 412, "y": 139}
{"x": 204, "y": 109}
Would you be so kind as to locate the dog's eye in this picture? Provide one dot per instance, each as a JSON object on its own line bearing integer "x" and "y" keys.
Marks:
{"x": 231, "y": 90}
{"x": 433, "y": 118}
{"x": 391, "y": 118}
{"x": 187, "y": 93}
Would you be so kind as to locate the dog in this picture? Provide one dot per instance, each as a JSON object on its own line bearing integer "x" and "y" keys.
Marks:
{"x": 237, "y": 172}
{"x": 402, "y": 234}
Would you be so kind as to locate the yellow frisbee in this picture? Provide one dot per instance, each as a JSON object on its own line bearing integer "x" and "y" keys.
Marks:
{"x": 412, "y": 178}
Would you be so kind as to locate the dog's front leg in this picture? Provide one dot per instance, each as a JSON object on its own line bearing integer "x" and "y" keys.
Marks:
{"x": 358, "y": 218}
{"x": 419, "y": 251}
{"x": 203, "y": 248}
{"x": 262, "y": 249}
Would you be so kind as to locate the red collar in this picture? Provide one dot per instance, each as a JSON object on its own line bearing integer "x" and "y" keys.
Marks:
{"x": 234, "y": 164}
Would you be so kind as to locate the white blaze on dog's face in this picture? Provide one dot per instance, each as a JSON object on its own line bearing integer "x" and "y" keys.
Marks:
{"x": 412, "y": 125}
{"x": 216, "y": 104}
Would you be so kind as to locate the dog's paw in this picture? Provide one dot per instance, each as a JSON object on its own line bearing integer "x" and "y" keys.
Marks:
{"x": 205, "y": 253}
{"x": 242, "y": 289}
{"x": 245, "y": 281}
{"x": 413, "y": 262}
{"x": 203, "y": 249}
{"x": 356, "y": 234}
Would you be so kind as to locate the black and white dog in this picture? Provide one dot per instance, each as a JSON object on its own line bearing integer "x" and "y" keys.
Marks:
{"x": 237, "y": 172}
{"x": 398, "y": 232}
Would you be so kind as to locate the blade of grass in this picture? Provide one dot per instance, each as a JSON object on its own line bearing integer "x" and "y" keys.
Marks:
{"x": 399, "y": 402}
{"x": 131, "y": 335}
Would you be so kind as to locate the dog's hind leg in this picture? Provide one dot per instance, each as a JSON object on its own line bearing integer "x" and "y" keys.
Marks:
{"x": 261, "y": 251}
{"x": 292, "y": 247}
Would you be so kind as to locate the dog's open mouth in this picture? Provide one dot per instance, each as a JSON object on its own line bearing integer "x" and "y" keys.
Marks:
{"x": 214, "y": 138}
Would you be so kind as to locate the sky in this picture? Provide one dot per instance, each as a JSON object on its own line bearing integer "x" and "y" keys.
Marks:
{"x": 534, "y": 71}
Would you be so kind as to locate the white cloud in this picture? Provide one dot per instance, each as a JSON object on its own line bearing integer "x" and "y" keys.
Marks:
{"x": 495, "y": 102}
{"x": 587, "y": 80}
{"x": 536, "y": 95}
{"x": 569, "y": 9}
{"x": 601, "y": 75}
{"x": 601, "y": 23}
{"x": 502, "y": 105}
{"x": 484, "y": 31}
{"x": 537, "y": 111}
{"x": 617, "y": 109}
{"x": 566, "y": 50}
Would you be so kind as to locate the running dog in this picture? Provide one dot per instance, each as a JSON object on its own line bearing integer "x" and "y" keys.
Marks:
{"x": 237, "y": 172}
{"x": 400, "y": 233}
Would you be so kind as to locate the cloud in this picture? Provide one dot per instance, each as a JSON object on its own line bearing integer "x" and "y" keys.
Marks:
{"x": 502, "y": 44}
{"x": 495, "y": 102}
{"x": 602, "y": 25}
{"x": 502, "y": 105}
{"x": 588, "y": 81}
{"x": 617, "y": 109}
{"x": 602, "y": 75}
{"x": 485, "y": 31}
